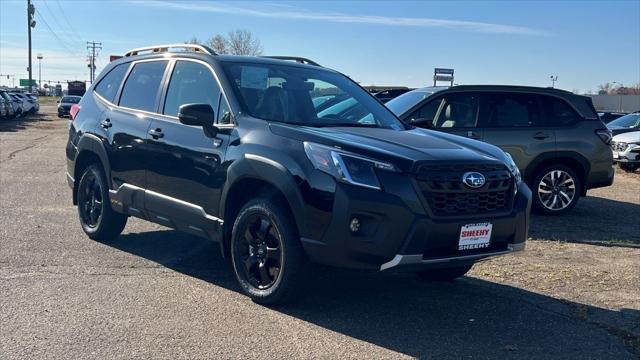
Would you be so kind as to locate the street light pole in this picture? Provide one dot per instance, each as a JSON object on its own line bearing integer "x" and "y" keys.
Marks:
{"x": 553, "y": 80}
{"x": 40, "y": 71}
{"x": 30, "y": 24}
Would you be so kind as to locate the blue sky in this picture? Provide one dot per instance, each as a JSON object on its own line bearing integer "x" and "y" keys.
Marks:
{"x": 376, "y": 43}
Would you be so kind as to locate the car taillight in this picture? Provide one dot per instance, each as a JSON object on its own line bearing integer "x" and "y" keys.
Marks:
{"x": 604, "y": 135}
{"x": 73, "y": 112}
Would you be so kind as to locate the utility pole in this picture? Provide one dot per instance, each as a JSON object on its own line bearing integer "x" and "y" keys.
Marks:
{"x": 30, "y": 24}
{"x": 553, "y": 80}
{"x": 92, "y": 46}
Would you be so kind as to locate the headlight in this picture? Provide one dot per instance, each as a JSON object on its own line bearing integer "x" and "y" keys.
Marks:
{"x": 513, "y": 168}
{"x": 347, "y": 167}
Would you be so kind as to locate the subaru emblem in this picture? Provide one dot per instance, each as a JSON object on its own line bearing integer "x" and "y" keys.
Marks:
{"x": 473, "y": 180}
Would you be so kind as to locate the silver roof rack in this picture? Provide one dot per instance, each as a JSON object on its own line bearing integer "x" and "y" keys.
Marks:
{"x": 297, "y": 59}
{"x": 166, "y": 48}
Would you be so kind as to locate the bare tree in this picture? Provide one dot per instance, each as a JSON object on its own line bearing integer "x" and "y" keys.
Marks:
{"x": 219, "y": 44}
{"x": 242, "y": 42}
{"x": 236, "y": 42}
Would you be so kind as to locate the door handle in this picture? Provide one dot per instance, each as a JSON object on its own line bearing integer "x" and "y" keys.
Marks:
{"x": 540, "y": 136}
{"x": 106, "y": 123}
{"x": 156, "y": 133}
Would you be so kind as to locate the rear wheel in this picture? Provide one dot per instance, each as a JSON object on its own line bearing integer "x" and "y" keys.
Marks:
{"x": 556, "y": 190}
{"x": 268, "y": 259}
{"x": 97, "y": 218}
{"x": 446, "y": 274}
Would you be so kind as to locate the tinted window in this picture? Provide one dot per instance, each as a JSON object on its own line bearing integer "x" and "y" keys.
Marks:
{"x": 70, "y": 100}
{"x": 426, "y": 113}
{"x": 109, "y": 85}
{"x": 458, "y": 110}
{"x": 141, "y": 88}
{"x": 191, "y": 83}
{"x": 559, "y": 112}
{"x": 223, "y": 114}
{"x": 627, "y": 121}
{"x": 513, "y": 110}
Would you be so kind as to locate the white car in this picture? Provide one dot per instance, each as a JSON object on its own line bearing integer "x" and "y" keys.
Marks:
{"x": 626, "y": 150}
{"x": 28, "y": 104}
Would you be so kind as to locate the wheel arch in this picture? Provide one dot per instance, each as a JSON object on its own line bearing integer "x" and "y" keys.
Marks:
{"x": 253, "y": 176}
{"x": 575, "y": 161}
{"x": 90, "y": 151}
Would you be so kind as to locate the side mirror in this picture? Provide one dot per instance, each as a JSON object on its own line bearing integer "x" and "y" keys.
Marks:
{"x": 199, "y": 115}
{"x": 423, "y": 123}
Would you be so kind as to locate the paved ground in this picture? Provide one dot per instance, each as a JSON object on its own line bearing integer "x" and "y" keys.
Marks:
{"x": 156, "y": 293}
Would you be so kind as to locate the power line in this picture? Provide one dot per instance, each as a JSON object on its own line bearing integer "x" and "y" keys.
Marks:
{"x": 58, "y": 24}
{"x": 93, "y": 46}
{"x": 64, "y": 16}
{"x": 56, "y": 35}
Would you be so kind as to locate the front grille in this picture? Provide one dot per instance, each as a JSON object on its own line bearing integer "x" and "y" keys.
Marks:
{"x": 619, "y": 146}
{"x": 447, "y": 196}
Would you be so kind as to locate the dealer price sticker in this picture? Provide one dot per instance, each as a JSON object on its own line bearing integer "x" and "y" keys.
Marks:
{"x": 475, "y": 236}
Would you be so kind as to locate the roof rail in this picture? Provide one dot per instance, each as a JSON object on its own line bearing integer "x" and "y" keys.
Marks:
{"x": 298, "y": 59}
{"x": 165, "y": 48}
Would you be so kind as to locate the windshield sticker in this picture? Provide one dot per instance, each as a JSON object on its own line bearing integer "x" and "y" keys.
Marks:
{"x": 254, "y": 77}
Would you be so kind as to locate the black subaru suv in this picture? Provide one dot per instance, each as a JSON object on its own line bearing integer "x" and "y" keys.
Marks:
{"x": 232, "y": 149}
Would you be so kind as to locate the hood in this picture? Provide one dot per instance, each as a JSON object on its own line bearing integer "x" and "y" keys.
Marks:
{"x": 402, "y": 148}
{"x": 629, "y": 137}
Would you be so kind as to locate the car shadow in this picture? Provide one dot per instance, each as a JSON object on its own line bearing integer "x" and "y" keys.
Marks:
{"x": 21, "y": 123}
{"x": 594, "y": 220}
{"x": 466, "y": 318}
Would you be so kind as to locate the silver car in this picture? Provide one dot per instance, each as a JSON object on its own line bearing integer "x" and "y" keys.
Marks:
{"x": 626, "y": 150}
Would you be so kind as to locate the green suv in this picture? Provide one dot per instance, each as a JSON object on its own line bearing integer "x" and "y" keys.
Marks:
{"x": 554, "y": 136}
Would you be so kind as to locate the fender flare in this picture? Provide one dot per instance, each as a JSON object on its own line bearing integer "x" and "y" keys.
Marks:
{"x": 92, "y": 143}
{"x": 257, "y": 167}
{"x": 554, "y": 156}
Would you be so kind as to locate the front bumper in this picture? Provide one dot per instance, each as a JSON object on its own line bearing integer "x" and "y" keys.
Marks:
{"x": 630, "y": 155}
{"x": 396, "y": 230}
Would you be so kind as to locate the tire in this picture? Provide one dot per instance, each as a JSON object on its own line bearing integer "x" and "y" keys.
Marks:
{"x": 556, "y": 190}
{"x": 97, "y": 218}
{"x": 267, "y": 255}
{"x": 445, "y": 274}
{"x": 629, "y": 167}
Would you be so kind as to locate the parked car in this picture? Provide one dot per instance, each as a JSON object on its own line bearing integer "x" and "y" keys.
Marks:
{"x": 554, "y": 136}
{"x": 35, "y": 101}
{"x": 627, "y": 123}
{"x": 231, "y": 148}
{"x": 608, "y": 117}
{"x": 626, "y": 150}
{"x": 4, "y": 109}
{"x": 64, "y": 105}
{"x": 386, "y": 95}
{"x": 18, "y": 105}
{"x": 28, "y": 105}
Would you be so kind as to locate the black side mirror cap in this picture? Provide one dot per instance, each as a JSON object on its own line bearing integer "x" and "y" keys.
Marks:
{"x": 199, "y": 115}
{"x": 423, "y": 123}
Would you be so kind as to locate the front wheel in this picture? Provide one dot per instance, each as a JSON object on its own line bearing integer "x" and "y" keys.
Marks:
{"x": 97, "y": 218}
{"x": 556, "y": 190}
{"x": 267, "y": 255}
{"x": 446, "y": 274}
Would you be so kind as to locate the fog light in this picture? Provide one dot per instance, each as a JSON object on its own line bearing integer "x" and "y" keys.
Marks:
{"x": 354, "y": 225}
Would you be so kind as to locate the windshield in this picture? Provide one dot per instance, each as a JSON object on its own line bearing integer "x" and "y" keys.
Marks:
{"x": 627, "y": 121}
{"x": 305, "y": 96}
{"x": 406, "y": 101}
{"x": 70, "y": 100}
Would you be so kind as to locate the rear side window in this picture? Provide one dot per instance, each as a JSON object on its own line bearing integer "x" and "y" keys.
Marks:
{"x": 141, "y": 88}
{"x": 559, "y": 112}
{"x": 109, "y": 85}
{"x": 512, "y": 110}
{"x": 191, "y": 83}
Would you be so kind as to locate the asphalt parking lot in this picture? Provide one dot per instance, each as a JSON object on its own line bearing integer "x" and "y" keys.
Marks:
{"x": 156, "y": 293}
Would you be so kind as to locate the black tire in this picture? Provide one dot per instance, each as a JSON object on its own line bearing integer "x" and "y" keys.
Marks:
{"x": 445, "y": 274}
{"x": 267, "y": 255}
{"x": 556, "y": 194}
{"x": 97, "y": 218}
{"x": 629, "y": 167}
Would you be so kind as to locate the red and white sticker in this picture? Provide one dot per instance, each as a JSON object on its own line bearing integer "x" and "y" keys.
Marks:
{"x": 475, "y": 236}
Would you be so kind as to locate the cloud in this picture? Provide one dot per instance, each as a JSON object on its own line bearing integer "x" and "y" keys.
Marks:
{"x": 336, "y": 17}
